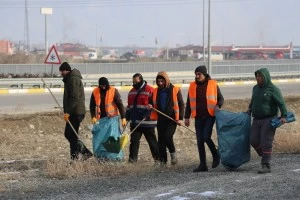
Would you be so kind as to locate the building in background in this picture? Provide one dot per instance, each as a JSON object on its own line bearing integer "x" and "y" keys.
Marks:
{"x": 6, "y": 47}
{"x": 76, "y": 51}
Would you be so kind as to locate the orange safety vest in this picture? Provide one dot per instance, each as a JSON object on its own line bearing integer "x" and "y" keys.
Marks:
{"x": 153, "y": 115}
{"x": 211, "y": 97}
{"x": 110, "y": 106}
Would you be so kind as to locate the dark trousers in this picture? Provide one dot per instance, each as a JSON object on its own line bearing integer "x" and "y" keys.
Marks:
{"x": 165, "y": 132}
{"x": 204, "y": 127}
{"x": 76, "y": 147}
{"x": 135, "y": 138}
{"x": 261, "y": 138}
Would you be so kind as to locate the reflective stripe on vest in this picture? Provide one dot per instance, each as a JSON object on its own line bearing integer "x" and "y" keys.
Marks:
{"x": 111, "y": 108}
{"x": 211, "y": 97}
{"x": 175, "y": 102}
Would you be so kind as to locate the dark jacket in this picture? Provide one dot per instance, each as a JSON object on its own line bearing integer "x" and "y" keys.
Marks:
{"x": 201, "y": 103}
{"x": 169, "y": 110}
{"x": 136, "y": 108}
{"x": 165, "y": 96}
{"x": 73, "y": 100}
{"x": 117, "y": 100}
{"x": 266, "y": 99}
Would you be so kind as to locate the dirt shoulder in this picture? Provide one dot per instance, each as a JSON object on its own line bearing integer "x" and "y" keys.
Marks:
{"x": 34, "y": 163}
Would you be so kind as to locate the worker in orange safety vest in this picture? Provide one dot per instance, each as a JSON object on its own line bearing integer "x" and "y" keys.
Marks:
{"x": 204, "y": 96}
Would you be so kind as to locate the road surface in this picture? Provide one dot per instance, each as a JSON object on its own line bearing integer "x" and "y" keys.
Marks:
{"x": 15, "y": 103}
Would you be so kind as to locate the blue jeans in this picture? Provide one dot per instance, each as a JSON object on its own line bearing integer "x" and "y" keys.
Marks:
{"x": 204, "y": 127}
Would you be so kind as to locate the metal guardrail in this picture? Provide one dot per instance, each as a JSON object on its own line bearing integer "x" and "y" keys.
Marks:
{"x": 21, "y": 83}
{"x": 220, "y": 67}
{"x": 120, "y": 74}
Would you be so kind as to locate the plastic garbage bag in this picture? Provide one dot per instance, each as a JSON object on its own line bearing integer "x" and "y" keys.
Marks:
{"x": 124, "y": 140}
{"x": 233, "y": 130}
{"x": 275, "y": 123}
{"x": 106, "y": 139}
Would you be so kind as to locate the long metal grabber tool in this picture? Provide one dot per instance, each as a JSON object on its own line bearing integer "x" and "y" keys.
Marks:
{"x": 61, "y": 109}
{"x": 172, "y": 119}
{"x": 137, "y": 125}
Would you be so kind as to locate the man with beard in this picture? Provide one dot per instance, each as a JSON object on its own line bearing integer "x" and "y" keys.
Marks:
{"x": 168, "y": 100}
{"x": 204, "y": 96}
{"x": 265, "y": 102}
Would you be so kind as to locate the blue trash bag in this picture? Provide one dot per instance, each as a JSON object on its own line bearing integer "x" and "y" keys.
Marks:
{"x": 290, "y": 117}
{"x": 106, "y": 129}
{"x": 233, "y": 130}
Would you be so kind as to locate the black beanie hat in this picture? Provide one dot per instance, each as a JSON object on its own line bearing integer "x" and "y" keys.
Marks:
{"x": 103, "y": 81}
{"x": 65, "y": 66}
{"x": 202, "y": 69}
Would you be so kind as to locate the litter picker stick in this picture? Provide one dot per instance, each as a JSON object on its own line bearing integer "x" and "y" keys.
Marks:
{"x": 137, "y": 125}
{"x": 172, "y": 119}
{"x": 61, "y": 109}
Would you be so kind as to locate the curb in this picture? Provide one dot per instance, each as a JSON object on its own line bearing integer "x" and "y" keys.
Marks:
{"x": 182, "y": 85}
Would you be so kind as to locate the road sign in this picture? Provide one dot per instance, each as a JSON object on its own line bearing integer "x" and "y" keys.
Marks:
{"x": 52, "y": 57}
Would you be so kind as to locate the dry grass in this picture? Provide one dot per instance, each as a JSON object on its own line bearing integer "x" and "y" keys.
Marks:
{"x": 40, "y": 136}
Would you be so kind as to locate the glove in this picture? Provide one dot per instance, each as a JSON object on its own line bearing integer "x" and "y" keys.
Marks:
{"x": 66, "y": 117}
{"x": 124, "y": 122}
{"x": 94, "y": 120}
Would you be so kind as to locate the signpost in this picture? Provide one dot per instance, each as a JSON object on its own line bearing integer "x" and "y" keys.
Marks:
{"x": 52, "y": 58}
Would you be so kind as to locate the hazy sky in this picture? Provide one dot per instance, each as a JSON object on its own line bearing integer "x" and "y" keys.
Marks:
{"x": 139, "y": 22}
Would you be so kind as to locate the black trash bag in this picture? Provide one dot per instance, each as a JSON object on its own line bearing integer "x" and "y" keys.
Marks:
{"x": 112, "y": 145}
{"x": 233, "y": 130}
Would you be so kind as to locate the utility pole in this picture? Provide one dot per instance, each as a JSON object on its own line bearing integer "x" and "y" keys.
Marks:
{"x": 27, "y": 46}
{"x": 96, "y": 48}
{"x": 209, "y": 46}
{"x": 203, "y": 36}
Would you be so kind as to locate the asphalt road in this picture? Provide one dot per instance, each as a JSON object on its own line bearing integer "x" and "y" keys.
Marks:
{"x": 16, "y": 103}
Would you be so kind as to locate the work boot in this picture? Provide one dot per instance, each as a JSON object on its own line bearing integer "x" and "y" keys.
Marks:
{"x": 216, "y": 161}
{"x": 173, "y": 158}
{"x": 156, "y": 163}
{"x": 201, "y": 168}
{"x": 163, "y": 165}
{"x": 74, "y": 156}
{"x": 264, "y": 169}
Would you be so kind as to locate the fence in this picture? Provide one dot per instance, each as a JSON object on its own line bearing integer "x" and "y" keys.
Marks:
{"x": 222, "y": 67}
{"x": 121, "y": 73}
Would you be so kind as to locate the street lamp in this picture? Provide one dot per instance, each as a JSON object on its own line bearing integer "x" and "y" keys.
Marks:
{"x": 203, "y": 35}
{"x": 209, "y": 45}
{"x": 46, "y": 11}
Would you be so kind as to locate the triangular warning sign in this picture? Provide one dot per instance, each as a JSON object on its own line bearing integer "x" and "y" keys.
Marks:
{"x": 52, "y": 57}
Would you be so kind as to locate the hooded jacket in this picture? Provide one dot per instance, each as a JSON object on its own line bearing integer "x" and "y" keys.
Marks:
{"x": 266, "y": 99}
{"x": 166, "y": 97}
{"x": 73, "y": 100}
